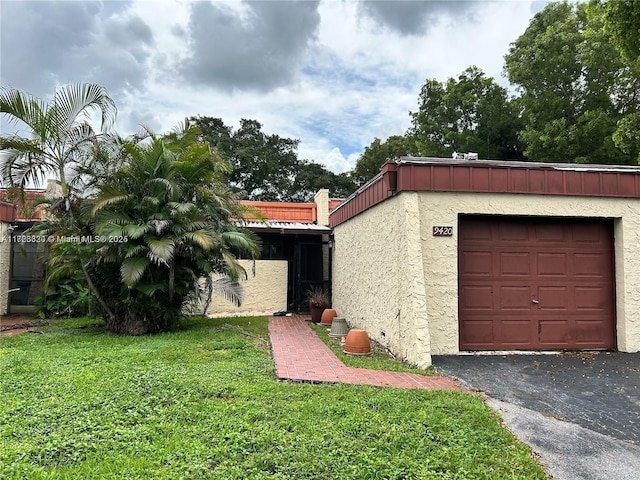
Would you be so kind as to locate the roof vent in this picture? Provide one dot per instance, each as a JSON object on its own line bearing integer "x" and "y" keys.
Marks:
{"x": 465, "y": 156}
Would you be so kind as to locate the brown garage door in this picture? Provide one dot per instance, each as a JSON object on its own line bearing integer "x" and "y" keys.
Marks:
{"x": 535, "y": 283}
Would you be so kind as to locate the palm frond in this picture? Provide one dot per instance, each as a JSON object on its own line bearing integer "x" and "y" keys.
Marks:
{"x": 205, "y": 239}
{"x": 109, "y": 198}
{"x": 229, "y": 289}
{"x": 132, "y": 269}
{"x": 161, "y": 249}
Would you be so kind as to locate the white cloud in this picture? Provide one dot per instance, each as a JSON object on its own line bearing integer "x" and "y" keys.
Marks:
{"x": 335, "y": 74}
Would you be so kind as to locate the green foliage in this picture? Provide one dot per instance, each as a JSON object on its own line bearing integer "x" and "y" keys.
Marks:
{"x": 376, "y": 154}
{"x": 468, "y": 114}
{"x": 574, "y": 86}
{"x": 266, "y": 167}
{"x": 621, "y": 19}
{"x": 311, "y": 177}
{"x": 262, "y": 165}
{"x": 69, "y": 297}
{"x": 164, "y": 219}
{"x": 202, "y": 402}
{"x": 61, "y": 138}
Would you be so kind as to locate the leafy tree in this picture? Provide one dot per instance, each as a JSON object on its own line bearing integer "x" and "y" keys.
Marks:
{"x": 311, "y": 177}
{"x": 468, "y": 114}
{"x": 622, "y": 21}
{"x": 160, "y": 222}
{"x": 61, "y": 137}
{"x": 263, "y": 166}
{"x": 376, "y": 154}
{"x": 574, "y": 87}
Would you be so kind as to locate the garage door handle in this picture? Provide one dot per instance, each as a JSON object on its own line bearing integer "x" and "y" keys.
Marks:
{"x": 535, "y": 301}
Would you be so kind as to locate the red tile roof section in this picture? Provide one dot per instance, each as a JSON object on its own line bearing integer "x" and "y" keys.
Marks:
{"x": 285, "y": 212}
{"x": 27, "y": 211}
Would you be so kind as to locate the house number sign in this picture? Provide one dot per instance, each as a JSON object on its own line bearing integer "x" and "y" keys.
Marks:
{"x": 442, "y": 231}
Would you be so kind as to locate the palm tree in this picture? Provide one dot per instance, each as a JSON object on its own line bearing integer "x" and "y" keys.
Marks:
{"x": 164, "y": 219}
{"x": 61, "y": 137}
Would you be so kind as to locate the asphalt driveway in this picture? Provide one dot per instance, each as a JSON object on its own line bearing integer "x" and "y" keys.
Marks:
{"x": 580, "y": 411}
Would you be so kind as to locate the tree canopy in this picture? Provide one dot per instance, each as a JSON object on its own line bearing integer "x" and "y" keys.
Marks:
{"x": 266, "y": 167}
{"x": 471, "y": 113}
{"x": 575, "y": 88}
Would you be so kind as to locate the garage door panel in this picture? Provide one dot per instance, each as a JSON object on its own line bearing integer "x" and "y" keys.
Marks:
{"x": 515, "y": 264}
{"x": 555, "y": 333}
{"x": 590, "y": 234}
{"x": 479, "y": 230}
{"x": 479, "y": 333}
{"x": 515, "y": 334}
{"x": 515, "y": 298}
{"x": 590, "y": 333}
{"x": 547, "y": 233}
{"x": 553, "y": 298}
{"x": 552, "y": 264}
{"x": 543, "y": 283}
{"x": 512, "y": 231}
{"x": 477, "y": 264}
{"x": 592, "y": 299}
{"x": 477, "y": 298}
{"x": 590, "y": 265}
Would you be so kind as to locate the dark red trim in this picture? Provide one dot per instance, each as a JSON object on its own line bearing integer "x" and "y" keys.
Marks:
{"x": 491, "y": 177}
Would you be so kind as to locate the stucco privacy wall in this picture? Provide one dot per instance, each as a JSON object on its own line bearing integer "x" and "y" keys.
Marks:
{"x": 440, "y": 254}
{"x": 266, "y": 292}
{"x": 5, "y": 256}
{"x": 378, "y": 277}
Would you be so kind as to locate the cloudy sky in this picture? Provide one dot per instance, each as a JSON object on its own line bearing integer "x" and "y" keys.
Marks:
{"x": 334, "y": 74}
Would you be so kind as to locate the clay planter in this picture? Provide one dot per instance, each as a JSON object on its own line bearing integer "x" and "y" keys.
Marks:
{"x": 316, "y": 314}
{"x": 357, "y": 343}
{"x": 339, "y": 328}
{"x": 327, "y": 317}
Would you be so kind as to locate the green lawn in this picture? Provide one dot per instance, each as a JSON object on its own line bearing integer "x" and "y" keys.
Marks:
{"x": 203, "y": 402}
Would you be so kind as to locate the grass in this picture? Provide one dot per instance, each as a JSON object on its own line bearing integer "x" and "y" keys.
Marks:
{"x": 203, "y": 403}
{"x": 380, "y": 360}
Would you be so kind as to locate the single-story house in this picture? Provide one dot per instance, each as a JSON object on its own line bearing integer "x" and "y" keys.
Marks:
{"x": 294, "y": 257}
{"x": 294, "y": 242}
{"x": 438, "y": 256}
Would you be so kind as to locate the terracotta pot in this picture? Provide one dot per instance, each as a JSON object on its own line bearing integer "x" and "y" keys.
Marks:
{"x": 339, "y": 328}
{"x": 316, "y": 314}
{"x": 327, "y": 317}
{"x": 357, "y": 343}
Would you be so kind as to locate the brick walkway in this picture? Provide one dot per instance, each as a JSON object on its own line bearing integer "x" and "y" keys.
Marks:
{"x": 301, "y": 356}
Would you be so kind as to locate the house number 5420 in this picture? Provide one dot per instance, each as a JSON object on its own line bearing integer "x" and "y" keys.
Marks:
{"x": 442, "y": 231}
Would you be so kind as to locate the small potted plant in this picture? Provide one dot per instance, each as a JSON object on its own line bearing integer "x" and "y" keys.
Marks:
{"x": 318, "y": 301}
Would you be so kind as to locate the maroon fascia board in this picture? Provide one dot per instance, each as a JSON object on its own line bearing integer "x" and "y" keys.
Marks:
{"x": 486, "y": 176}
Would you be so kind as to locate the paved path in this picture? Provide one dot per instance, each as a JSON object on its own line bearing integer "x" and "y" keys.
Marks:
{"x": 301, "y": 356}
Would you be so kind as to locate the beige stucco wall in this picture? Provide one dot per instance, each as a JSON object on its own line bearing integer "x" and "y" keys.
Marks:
{"x": 391, "y": 274}
{"x": 441, "y": 253}
{"x": 5, "y": 256}
{"x": 378, "y": 277}
{"x": 264, "y": 293}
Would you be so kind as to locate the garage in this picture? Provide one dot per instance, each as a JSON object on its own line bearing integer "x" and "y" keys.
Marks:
{"x": 439, "y": 256}
{"x": 535, "y": 283}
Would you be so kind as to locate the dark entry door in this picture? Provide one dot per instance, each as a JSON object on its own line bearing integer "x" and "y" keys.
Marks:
{"x": 26, "y": 277}
{"x": 308, "y": 271}
{"x": 535, "y": 283}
